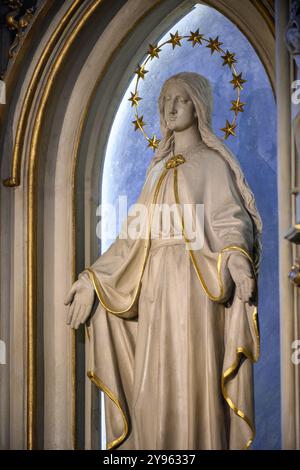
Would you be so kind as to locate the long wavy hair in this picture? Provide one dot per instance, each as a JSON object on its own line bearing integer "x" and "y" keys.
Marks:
{"x": 199, "y": 89}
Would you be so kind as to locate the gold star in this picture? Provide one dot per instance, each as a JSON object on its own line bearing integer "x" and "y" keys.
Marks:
{"x": 229, "y": 129}
{"x": 195, "y": 37}
{"x": 214, "y": 45}
{"x": 175, "y": 40}
{"x": 229, "y": 58}
{"x": 237, "y": 81}
{"x": 139, "y": 123}
{"x": 154, "y": 51}
{"x": 141, "y": 71}
{"x": 153, "y": 142}
{"x": 134, "y": 99}
{"x": 237, "y": 106}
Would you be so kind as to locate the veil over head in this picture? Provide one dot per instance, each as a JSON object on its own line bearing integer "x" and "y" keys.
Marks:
{"x": 199, "y": 89}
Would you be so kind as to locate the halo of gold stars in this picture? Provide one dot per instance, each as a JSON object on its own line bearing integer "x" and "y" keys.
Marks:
{"x": 229, "y": 129}
{"x": 214, "y": 45}
{"x": 195, "y": 38}
{"x": 237, "y": 106}
{"x": 229, "y": 58}
{"x": 175, "y": 40}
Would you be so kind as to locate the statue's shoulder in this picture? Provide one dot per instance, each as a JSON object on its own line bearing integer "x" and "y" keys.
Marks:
{"x": 212, "y": 161}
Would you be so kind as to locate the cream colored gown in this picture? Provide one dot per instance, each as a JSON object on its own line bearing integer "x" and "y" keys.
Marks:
{"x": 176, "y": 366}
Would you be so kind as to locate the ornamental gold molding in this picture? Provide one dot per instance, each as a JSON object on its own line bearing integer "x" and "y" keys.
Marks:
{"x": 32, "y": 225}
{"x": 265, "y": 8}
{"x": 15, "y": 178}
{"x": 32, "y": 205}
{"x": 16, "y": 23}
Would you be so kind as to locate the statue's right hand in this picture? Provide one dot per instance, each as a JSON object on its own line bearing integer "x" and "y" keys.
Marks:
{"x": 80, "y": 300}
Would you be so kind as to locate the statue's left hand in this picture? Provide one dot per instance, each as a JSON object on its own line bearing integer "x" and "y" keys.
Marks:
{"x": 242, "y": 274}
{"x": 80, "y": 300}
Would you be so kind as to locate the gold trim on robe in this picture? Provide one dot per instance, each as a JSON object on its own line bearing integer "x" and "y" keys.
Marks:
{"x": 172, "y": 163}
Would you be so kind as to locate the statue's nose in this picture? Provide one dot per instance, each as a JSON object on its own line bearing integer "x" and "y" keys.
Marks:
{"x": 173, "y": 109}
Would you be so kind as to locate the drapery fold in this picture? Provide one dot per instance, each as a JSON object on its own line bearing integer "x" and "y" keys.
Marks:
{"x": 127, "y": 279}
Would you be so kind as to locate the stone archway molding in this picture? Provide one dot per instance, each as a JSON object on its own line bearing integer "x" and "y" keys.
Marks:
{"x": 55, "y": 170}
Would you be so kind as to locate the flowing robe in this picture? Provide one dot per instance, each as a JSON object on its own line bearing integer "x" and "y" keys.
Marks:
{"x": 171, "y": 344}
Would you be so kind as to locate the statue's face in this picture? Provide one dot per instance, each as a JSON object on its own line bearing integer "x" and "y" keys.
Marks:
{"x": 179, "y": 109}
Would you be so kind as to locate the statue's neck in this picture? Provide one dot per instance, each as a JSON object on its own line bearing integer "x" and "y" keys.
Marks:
{"x": 186, "y": 139}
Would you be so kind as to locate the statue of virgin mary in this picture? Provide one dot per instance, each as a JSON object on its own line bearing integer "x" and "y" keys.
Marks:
{"x": 175, "y": 334}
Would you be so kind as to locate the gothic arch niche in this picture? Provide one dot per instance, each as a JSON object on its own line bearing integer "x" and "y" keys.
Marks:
{"x": 85, "y": 93}
{"x": 127, "y": 158}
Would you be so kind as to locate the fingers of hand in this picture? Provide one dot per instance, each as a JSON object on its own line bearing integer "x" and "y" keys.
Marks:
{"x": 238, "y": 264}
{"x": 78, "y": 313}
{"x": 75, "y": 315}
{"x": 70, "y": 314}
{"x": 245, "y": 289}
{"x": 82, "y": 315}
{"x": 71, "y": 293}
{"x": 76, "y": 321}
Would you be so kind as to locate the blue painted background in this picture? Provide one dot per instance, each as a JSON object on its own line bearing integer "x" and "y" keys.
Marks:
{"x": 127, "y": 158}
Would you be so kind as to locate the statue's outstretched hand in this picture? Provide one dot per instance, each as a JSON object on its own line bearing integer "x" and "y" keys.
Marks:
{"x": 242, "y": 274}
{"x": 80, "y": 300}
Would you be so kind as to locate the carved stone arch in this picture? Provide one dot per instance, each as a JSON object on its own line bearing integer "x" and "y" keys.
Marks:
{"x": 51, "y": 211}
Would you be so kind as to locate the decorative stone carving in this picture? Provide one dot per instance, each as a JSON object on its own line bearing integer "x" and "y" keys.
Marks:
{"x": 293, "y": 31}
{"x": 18, "y": 21}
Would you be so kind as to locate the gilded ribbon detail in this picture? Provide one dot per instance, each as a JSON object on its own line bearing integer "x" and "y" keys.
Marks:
{"x": 241, "y": 351}
{"x": 96, "y": 381}
{"x": 172, "y": 163}
{"x": 97, "y": 283}
{"x": 97, "y": 286}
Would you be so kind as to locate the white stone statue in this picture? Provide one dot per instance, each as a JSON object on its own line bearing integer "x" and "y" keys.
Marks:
{"x": 175, "y": 334}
